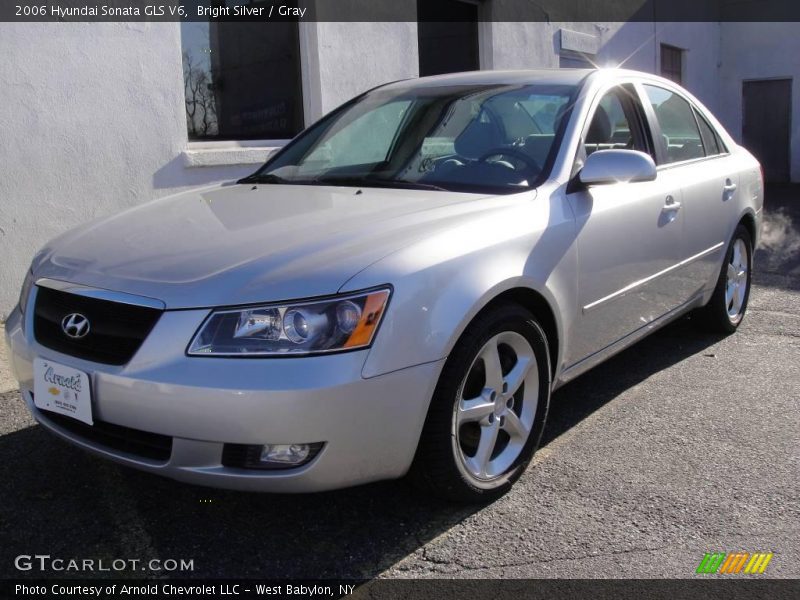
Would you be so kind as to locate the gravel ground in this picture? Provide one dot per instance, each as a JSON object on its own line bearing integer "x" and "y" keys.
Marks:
{"x": 683, "y": 444}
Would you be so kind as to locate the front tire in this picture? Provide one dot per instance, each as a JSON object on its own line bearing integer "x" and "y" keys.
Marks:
{"x": 727, "y": 307}
{"x": 488, "y": 410}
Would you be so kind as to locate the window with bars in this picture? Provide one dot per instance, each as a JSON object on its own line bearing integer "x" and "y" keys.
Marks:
{"x": 672, "y": 63}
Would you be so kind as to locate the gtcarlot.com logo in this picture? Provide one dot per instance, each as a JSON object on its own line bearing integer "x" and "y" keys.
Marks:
{"x": 45, "y": 562}
{"x": 734, "y": 563}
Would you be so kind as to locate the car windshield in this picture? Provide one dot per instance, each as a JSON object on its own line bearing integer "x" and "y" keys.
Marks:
{"x": 488, "y": 138}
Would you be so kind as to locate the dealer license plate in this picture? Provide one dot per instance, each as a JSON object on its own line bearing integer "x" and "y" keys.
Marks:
{"x": 62, "y": 390}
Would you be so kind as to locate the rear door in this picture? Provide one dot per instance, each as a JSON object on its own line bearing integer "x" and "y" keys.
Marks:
{"x": 629, "y": 234}
{"x": 694, "y": 156}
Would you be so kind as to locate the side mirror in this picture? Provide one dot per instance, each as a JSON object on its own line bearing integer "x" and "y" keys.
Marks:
{"x": 617, "y": 166}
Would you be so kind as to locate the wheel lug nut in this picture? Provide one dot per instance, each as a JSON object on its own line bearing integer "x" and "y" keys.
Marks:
{"x": 493, "y": 396}
{"x": 510, "y": 402}
{"x": 505, "y": 387}
{"x": 502, "y": 421}
{"x": 491, "y": 418}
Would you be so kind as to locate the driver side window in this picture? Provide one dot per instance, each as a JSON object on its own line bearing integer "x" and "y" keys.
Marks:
{"x": 613, "y": 125}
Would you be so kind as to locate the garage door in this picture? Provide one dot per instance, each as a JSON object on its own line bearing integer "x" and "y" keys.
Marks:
{"x": 767, "y": 123}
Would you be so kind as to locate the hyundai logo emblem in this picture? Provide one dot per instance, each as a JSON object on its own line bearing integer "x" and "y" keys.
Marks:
{"x": 75, "y": 325}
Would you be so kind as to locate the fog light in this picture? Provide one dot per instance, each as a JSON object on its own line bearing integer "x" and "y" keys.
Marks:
{"x": 269, "y": 456}
{"x": 290, "y": 454}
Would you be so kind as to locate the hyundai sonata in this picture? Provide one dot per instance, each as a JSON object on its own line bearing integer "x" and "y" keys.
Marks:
{"x": 398, "y": 290}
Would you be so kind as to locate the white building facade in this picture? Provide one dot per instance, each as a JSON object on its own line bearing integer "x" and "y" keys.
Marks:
{"x": 94, "y": 115}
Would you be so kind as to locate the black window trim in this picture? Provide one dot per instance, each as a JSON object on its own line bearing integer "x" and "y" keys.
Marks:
{"x": 703, "y": 140}
{"x": 631, "y": 103}
{"x": 660, "y": 152}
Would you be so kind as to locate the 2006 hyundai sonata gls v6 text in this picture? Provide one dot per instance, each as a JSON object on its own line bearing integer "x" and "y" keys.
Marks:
{"x": 397, "y": 290}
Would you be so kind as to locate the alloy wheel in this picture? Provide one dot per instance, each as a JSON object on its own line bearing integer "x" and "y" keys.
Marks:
{"x": 737, "y": 280}
{"x": 496, "y": 407}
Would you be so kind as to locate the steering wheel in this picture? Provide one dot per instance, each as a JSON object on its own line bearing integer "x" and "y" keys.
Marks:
{"x": 529, "y": 161}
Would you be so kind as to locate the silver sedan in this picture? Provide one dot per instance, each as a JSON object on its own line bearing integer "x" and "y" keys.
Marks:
{"x": 398, "y": 290}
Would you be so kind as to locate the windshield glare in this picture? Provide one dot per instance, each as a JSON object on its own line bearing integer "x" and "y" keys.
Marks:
{"x": 475, "y": 138}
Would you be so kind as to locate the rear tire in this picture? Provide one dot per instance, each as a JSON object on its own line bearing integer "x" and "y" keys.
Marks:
{"x": 726, "y": 309}
{"x": 488, "y": 410}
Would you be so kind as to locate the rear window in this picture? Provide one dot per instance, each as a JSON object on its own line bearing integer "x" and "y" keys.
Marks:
{"x": 711, "y": 141}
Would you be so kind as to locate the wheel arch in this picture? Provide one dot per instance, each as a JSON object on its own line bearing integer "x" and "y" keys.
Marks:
{"x": 748, "y": 219}
{"x": 538, "y": 305}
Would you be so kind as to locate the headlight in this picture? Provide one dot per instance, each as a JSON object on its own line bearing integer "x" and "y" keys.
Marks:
{"x": 25, "y": 292}
{"x": 300, "y": 328}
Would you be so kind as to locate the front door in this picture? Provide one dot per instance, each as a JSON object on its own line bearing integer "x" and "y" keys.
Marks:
{"x": 629, "y": 236}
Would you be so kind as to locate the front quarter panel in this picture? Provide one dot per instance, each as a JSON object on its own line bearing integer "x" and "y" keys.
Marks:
{"x": 441, "y": 283}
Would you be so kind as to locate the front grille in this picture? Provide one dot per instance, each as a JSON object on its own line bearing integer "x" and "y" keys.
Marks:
{"x": 116, "y": 437}
{"x": 116, "y": 330}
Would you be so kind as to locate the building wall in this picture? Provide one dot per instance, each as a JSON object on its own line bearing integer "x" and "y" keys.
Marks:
{"x": 759, "y": 51}
{"x": 350, "y": 58}
{"x": 630, "y": 45}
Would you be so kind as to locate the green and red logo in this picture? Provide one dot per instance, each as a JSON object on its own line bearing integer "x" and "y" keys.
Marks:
{"x": 734, "y": 563}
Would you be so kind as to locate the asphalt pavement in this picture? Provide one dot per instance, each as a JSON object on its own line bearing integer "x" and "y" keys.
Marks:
{"x": 686, "y": 443}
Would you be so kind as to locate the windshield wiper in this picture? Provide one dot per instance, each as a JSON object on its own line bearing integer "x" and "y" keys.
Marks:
{"x": 379, "y": 183}
{"x": 264, "y": 178}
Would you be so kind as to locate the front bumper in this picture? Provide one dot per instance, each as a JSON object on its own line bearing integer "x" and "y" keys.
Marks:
{"x": 370, "y": 427}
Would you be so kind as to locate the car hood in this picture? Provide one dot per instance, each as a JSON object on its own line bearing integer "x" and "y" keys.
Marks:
{"x": 240, "y": 244}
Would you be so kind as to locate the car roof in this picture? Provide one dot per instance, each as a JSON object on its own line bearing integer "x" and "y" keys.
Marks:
{"x": 517, "y": 77}
{"x": 538, "y": 76}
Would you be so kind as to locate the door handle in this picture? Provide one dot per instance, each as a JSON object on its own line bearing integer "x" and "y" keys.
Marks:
{"x": 671, "y": 204}
{"x": 729, "y": 186}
